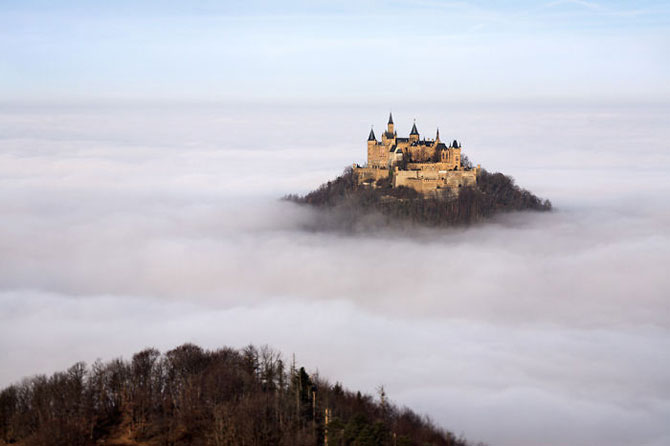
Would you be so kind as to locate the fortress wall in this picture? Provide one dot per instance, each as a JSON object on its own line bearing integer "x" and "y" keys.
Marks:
{"x": 400, "y": 177}
{"x": 370, "y": 173}
{"x": 460, "y": 178}
{"x": 424, "y": 187}
{"x": 427, "y": 182}
{"x": 431, "y": 166}
{"x": 416, "y": 180}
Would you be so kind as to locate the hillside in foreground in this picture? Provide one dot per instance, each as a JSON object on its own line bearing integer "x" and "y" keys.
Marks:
{"x": 351, "y": 205}
{"x": 190, "y": 396}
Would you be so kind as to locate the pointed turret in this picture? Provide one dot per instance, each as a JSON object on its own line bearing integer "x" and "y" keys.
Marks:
{"x": 372, "y": 135}
{"x": 390, "y": 127}
{"x": 437, "y": 136}
{"x": 390, "y": 118}
{"x": 414, "y": 134}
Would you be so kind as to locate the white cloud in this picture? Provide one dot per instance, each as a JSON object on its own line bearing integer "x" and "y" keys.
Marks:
{"x": 128, "y": 227}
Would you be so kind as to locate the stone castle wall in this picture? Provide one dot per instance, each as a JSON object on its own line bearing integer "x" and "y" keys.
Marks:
{"x": 428, "y": 181}
{"x": 431, "y": 181}
{"x": 378, "y": 155}
{"x": 364, "y": 174}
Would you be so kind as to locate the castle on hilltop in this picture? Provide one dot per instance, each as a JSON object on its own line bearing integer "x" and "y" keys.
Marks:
{"x": 428, "y": 166}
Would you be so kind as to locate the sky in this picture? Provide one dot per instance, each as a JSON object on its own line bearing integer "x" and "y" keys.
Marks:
{"x": 144, "y": 145}
{"x": 337, "y": 51}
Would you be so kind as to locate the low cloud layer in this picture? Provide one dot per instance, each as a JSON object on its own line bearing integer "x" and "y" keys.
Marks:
{"x": 128, "y": 227}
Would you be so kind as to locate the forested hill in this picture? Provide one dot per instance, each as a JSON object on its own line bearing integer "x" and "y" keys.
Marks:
{"x": 350, "y": 206}
{"x": 190, "y": 396}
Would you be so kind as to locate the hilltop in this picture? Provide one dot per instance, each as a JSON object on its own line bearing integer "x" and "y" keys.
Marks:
{"x": 190, "y": 396}
{"x": 352, "y": 205}
{"x": 424, "y": 181}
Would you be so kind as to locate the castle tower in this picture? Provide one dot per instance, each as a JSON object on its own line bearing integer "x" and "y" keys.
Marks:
{"x": 388, "y": 137}
{"x": 437, "y": 136}
{"x": 457, "y": 154}
{"x": 372, "y": 140}
{"x": 414, "y": 134}
{"x": 373, "y": 149}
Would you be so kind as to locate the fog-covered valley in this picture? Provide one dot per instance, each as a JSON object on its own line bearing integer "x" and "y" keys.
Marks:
{"x": 133, "y": 225}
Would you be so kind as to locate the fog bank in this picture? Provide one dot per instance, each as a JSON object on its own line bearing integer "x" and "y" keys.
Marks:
{"x": 132, "y": 226}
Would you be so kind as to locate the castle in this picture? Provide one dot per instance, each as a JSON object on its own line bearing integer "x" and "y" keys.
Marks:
{"x": 428, "y": 166}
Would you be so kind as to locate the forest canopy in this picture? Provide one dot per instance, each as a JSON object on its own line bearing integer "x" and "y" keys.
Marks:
{"x": 191, "y": 396}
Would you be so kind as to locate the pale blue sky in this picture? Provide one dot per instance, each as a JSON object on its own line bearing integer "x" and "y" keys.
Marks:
{"x": 352, "y": 51}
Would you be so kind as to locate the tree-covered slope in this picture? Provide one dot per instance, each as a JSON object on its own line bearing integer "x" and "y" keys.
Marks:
{"x": 493, "y": 194}
{"x": 189, "y": 396}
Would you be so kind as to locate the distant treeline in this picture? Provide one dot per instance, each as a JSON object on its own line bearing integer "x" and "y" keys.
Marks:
{"x": 494, "y": 193}
{"x": 189, "y": 396}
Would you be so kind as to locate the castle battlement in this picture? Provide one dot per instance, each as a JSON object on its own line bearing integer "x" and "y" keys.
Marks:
{"x": 428, "y": 166}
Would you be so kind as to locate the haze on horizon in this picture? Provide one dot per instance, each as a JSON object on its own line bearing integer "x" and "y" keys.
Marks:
{"x": 143, "y": 147}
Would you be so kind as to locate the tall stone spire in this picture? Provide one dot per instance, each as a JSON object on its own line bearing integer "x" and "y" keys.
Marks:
{"x": 372, "y": 135}
{"x": 437, "y": 135}
{"x": 414, "y": 130}
{"x": 414, "y": 134}
{"x": 390, "y": 118}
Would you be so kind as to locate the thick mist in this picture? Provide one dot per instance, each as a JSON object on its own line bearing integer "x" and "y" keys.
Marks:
{"x": 128, "y": 226}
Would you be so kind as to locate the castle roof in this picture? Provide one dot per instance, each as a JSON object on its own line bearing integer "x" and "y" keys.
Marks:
{"x": 414, "y": 130}
{"x": 372, "y": 136}
{"x": 390, "y": 118}
{"x": 442, "y": 146}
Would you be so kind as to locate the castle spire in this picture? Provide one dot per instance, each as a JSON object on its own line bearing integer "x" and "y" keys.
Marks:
{"x": 437, "y": 136}
{"x": 372, "y": 135}
{"x": 390, "y": 130}
{"x": 414, "y": 130}
{"x": 414, "y": 134}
